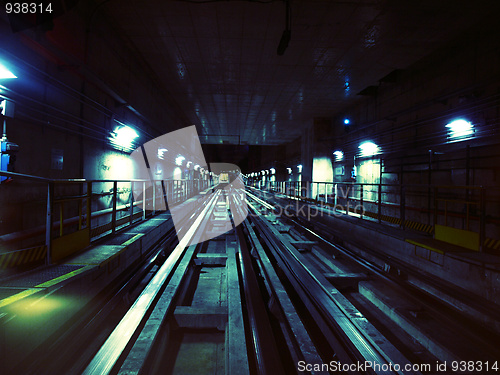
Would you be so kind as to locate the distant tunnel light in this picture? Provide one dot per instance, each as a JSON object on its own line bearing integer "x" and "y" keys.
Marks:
{"x": 6, "y": 73}
{"x": 179, "y": 159}
{"x": 346, "y": 121}
{"x": 161, "y": 153}
{"x": 339, "y": 155}
{"x": 460, "y": 130}
{"x": 273, "y": 171}
{"x": 123, "y": 136}
{"x": 369, "y": 149}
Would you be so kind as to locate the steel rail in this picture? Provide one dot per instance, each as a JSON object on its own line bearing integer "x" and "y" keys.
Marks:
{"x": 302, "y": 277}
{"x": 302, "y": 348}
{"x": 110, "y": 352}
{"x": 415, "y": 293}
{"x": 263, "y": 340}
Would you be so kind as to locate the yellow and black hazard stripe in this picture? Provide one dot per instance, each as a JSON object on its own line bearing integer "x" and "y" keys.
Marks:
{"x": 419, "y": 226}
{"x": 24, "y": 256}
{"x": 492, "y": 244}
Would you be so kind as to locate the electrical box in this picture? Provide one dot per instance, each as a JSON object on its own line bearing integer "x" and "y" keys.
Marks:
{"x": 7, "y": 108}
{"x": 8, "y": 151}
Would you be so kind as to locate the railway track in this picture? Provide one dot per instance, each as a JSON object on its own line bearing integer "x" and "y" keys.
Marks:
{"x": 435, "y": 336}
{"x": 270, "y": 296}
{"x": 250, "y": 300}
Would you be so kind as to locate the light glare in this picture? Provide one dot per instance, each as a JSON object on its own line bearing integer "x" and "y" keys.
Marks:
{"x": 369, "y": 149}
{"x": 339, "y": 155}
{"x": 6, "y": 73}
{"x": 123, "y": 136}
{"x": 179, "y": 159}
{"x": 460, "y": 129}
{"x": 161, "y": 153}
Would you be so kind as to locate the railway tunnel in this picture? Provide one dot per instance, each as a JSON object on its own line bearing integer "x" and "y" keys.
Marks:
{"x": 249, "y": 187}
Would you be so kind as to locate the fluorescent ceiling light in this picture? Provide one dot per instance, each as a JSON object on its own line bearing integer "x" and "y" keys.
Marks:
{"x": 179, "y": 159}
{"x": 123, "y": 137}
{"x": 161, "y": 153}
{"x": 6, "y": 73}
{"x": 460, "y": 129}
{"x": 339, "y": 155}
{"x": 369, "y": 149}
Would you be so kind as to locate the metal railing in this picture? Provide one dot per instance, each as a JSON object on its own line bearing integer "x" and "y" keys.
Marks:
{"x": 86, "y": 210}
{"x": 419, "y": 207}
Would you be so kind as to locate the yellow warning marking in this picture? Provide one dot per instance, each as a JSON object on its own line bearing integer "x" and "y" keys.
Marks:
{"x": 459, "y": 237}
{"x": 425, "y": 246}
{"x": 64, "y": 277}
{"x": 133, "y": 239}
{"x": 17, "y": 297}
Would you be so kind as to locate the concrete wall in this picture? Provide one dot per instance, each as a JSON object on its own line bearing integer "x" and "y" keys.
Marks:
{"x": 62, "y": 101}
{"x": 407, "y": 118}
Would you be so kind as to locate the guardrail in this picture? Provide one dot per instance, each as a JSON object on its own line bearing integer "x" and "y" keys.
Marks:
{"x": 86, "y": 210}
{"x": 420, "y": 207}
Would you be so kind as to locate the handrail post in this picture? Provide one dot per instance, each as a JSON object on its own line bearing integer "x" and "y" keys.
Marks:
{"x": 113, "y": 214}
{"x": 89, "y": 207}
{"x": 379, "y": 203}
{"x": 131, "y": 202}
{"x": 402, "y": 206}
{"x": 347, "y": 202}
{"x": 144, "y": 201}
{"x": 435, "y": 206}
{"x": 445, "y": 212}
{"x": 61, "y": 218}
{"x": 482, "y": 220}
{"x": 80, "y": 214}
{"x": 49, "y": 221}
{"x": 361, "y": 199}
{"x": 164, "y": 191}
{"x": 154, "y": 196}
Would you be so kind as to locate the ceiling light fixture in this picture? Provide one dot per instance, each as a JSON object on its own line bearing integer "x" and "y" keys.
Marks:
{"x": 179, "y": 160}
{"x": 339, "y": 155}
{"x": 123, "y": 137}
{"x": 6, "y": 73}
{"x": 369, "y": 149}
{"x": 460, "y": 130}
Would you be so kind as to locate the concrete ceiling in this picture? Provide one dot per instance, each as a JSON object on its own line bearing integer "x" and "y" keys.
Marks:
{"x": 219, "y": 62}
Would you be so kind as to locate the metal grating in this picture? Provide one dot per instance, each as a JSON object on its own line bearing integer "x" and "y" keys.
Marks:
{"x": 40, "y": 276}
